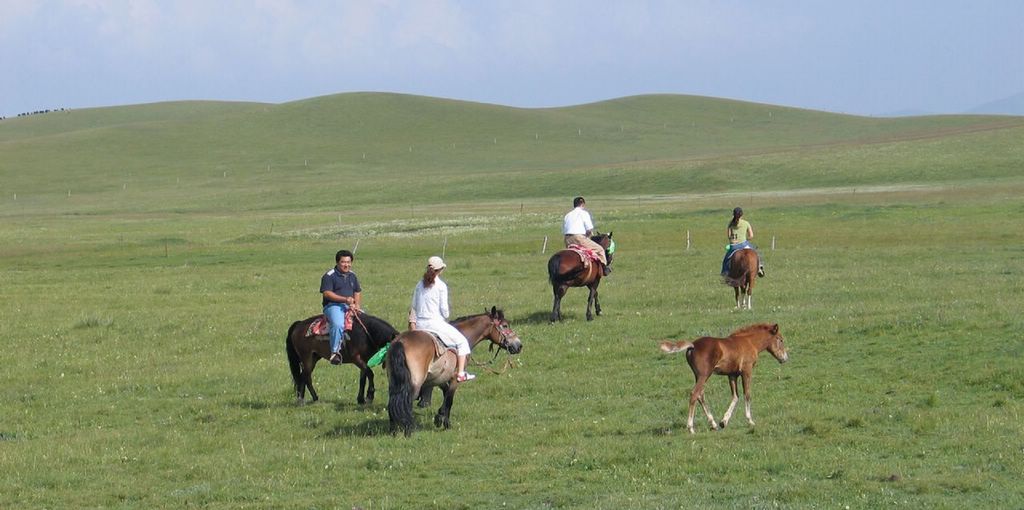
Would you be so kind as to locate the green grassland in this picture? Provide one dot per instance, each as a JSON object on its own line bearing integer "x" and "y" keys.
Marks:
{"x": 143, "y": 314}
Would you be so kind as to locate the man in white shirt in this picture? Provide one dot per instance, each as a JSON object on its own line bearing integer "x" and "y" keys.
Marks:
{"x": 577, "y": 227}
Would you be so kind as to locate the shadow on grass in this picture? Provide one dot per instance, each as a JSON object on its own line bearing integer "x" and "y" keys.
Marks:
{"x": 544, "y": 317}
{"x": 369, "y": 428}
{"x": 288, "y": 403}
{"x": 258, "y": 405}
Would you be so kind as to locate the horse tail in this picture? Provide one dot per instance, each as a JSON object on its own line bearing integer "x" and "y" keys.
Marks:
{"x": 670, "y": 347}
{"x": 553, "y": 264}
{"x": 743, "y": 276}
{"x": 554, "y": 276}
{"x": 294, "y": 363}
{"x": 399, "y": 389}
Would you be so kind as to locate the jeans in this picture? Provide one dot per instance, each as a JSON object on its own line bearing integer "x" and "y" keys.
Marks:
{"x": 732, "y": 249}
{"x": 335, "y": 313}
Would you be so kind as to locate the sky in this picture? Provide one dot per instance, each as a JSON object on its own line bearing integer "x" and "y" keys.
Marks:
{"x": 863, "y": 57}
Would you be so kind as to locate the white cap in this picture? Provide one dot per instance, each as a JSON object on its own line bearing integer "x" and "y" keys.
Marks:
{"x": 435, "y": 263}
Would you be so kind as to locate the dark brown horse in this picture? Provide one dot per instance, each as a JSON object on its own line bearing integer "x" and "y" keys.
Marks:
{"x": 734, "y": 356}
{"x": 566, "y": 269}
{"x": 368, "y": 335}
{"x": 741, "y": 277}
{"x": 413, "y": 365}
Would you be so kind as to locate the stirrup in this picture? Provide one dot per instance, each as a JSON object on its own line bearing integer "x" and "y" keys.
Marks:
{"x": 465, "y": 376}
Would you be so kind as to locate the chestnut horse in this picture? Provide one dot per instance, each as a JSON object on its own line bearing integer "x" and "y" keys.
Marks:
{"x": 741, "y": 277}
{"x": 413, "y": 354}
{"x": 368, "y": 335}
{"x": 566, "y": 269}
{"x": 734, "y": 356}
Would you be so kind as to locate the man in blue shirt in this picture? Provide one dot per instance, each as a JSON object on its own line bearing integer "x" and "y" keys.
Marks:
{"x": 341, "y": 292}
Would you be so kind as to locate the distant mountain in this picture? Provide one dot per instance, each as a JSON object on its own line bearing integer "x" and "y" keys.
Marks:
{"x": 1013, "y": 105}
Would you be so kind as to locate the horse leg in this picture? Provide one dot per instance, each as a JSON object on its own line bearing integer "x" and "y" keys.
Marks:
{"x": 365, "y": 374}
{"x": 597, "y": 300}
{"x": 307, "y": 377}
{"x": 590, "y": 301}
{"x": 443, "y": 417}
{"x": 707, "y": 411}
{"x": 739, "y": 302}
{"x": 425, "y": 397}
{"x": 370, "y": 389}
{"x": 558, "y": 290}
{"x": 732, "y": 405}
{"x": 696, "y": 395}
{"x": 747, "y": 383}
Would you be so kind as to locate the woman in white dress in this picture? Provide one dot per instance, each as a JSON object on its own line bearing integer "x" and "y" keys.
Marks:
{"x": 429, "y": 311}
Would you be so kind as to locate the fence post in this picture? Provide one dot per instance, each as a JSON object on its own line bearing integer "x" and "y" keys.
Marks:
{"x": 687, "y": 240}
{"x": 444, "y": 247}
{"x": 773, "y": 243}
{"x": 544, "y": 249}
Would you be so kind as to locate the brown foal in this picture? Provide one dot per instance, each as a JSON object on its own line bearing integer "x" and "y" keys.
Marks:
{"x": 734, "y": 356}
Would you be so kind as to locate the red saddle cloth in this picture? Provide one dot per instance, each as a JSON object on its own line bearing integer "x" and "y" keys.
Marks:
{"x": 321, "y": 326}
{"x": 586, "y": 254}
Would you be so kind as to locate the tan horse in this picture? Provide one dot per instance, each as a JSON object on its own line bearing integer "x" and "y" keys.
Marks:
{"x": 734, "y": 356}
{"x": 742, "y": 274}
{"x": 413, "y": 364}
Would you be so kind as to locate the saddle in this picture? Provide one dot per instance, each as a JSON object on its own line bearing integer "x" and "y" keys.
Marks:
{"x": 586, "y": 254}
{"x": 445, "y": 359}
{"x": 321, "y": 326}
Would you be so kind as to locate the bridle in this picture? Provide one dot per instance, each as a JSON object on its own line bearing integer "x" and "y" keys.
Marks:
{"x": 505, "y": 331}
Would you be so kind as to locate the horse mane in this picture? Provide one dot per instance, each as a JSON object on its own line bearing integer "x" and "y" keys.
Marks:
{"x": 500, "y": 313}
{"x": 748, "y": 330}
{"x": 378, "y": 324}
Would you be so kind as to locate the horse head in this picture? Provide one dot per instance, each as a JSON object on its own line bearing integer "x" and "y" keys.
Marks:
{"x": 776, "y": 345}
{"x": 501, "y": 333}
{"x": 605, "y": 241}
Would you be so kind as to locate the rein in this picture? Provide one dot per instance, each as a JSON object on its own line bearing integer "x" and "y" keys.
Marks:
{"x": 502, "y": 345}
{"x": 360, "y": 321}
{"x": 487, "y": 366}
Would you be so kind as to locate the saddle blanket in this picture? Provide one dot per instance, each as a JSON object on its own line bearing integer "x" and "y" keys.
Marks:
{"x": 586, "y": 254}
{"x": 321, "y": 326}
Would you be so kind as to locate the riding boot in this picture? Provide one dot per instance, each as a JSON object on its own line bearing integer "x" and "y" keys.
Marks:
{"x": 607, "y": 270}
{"x": 760, "y": 271}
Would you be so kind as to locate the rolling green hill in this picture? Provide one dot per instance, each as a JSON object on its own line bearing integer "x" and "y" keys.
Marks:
{"x": 372, "y": 148}
{"x": 152, "y": 258}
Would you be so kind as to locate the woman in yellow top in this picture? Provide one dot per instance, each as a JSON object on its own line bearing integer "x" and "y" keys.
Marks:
{"x": 739, "y": 233}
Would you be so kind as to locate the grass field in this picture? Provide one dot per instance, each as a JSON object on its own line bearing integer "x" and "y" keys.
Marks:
{"x": 143, "y": 316}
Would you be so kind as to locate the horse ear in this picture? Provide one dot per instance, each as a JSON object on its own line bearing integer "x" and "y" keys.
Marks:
{"x": 609, "y": 234}
{"x": 494, "y": 311}
{"x": 775, "y": 329}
